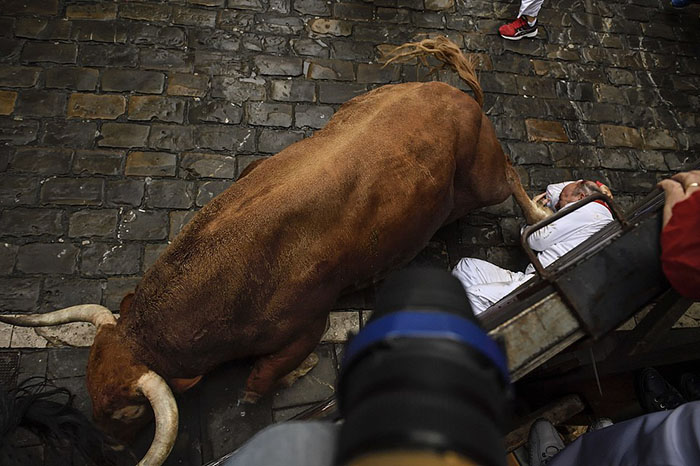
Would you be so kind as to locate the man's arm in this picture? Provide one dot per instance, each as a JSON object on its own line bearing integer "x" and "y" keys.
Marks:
{"x": 560, "y": 230}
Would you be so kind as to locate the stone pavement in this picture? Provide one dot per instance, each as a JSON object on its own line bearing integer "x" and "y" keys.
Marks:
{"x": 118, "y": 120}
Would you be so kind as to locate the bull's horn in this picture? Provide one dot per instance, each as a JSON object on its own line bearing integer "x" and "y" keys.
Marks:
{"x": 165, "y": 409}
{"x": 93, "y": 313}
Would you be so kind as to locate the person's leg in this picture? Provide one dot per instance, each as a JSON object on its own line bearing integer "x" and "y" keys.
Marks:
{"x": 530, "y": 8}
{"x": 471, "y": 271}
{"x": 289, "y": 444}
{"x": 665, "y": 437}
{"x": 484, "y": 296}
{"x": 525, "y": 24}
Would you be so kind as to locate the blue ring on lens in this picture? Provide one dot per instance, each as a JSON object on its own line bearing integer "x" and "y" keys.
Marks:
{"x": 425, "y": 324}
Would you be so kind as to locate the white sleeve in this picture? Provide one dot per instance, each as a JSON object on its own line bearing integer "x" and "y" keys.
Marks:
{"x": 558, "y": 231}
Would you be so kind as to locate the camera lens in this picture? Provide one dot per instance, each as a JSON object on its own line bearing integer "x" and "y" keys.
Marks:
{"x": 423, "y": 375}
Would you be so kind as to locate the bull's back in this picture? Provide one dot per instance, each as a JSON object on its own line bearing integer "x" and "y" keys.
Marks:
{"x": 271, "y": 254}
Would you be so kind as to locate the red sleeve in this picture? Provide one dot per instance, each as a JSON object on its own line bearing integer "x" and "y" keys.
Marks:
{"x": 680, "y": 247}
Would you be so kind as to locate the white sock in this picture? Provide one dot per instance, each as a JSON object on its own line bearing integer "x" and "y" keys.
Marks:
{"x": 531, "y": 23}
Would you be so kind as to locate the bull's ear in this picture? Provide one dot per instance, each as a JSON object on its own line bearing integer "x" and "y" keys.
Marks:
{"x": 126, "y": 304}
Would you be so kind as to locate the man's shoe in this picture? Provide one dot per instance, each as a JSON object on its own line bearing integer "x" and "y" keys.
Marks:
{"x": 600, "y": 423}
{"x": 654, "y": 393}
{"x": 690, "y": 386}
{"x": 544, "y": 442}
{"x": 518, "y": 29}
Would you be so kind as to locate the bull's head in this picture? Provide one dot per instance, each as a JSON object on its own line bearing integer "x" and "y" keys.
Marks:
{"x": 120, "y": 386}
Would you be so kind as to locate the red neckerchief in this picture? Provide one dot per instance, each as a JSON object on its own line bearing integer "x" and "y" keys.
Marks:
{"x": 600, "y": 201}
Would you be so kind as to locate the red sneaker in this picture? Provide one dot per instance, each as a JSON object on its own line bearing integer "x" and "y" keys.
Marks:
{"x": 518, "y": 29}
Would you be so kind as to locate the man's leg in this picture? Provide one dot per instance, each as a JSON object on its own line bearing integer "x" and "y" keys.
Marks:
{"x": 471, "y": 271}
{"x": 662, "y": 438}
{"x": 484, "y": 296}
{"x": 486, "y": 283}
{"x": 526, "y": 23}
{"x": 530, "y": 8}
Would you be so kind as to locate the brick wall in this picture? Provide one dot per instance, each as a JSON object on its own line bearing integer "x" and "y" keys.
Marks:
{"x": 118, "y": 120}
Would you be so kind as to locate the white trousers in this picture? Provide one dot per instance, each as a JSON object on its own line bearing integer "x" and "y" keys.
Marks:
{"x": 530, "y": 7}
{"x": 486, "y": 283}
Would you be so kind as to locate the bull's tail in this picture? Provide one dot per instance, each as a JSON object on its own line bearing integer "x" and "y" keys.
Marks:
{"x": 447, "y": 52}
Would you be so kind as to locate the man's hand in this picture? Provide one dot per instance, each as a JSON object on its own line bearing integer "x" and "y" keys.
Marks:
{"x": 678, "y": 188}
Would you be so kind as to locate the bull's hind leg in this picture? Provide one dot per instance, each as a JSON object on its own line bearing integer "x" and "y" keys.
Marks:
{"x": 271, "y": 369}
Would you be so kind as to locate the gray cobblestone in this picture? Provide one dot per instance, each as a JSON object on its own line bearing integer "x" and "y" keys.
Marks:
{"x": 195, "y": 85}
{"x": 54, "y": 52}
{"x": 19, "y": 76}
{"x": 40, "y": 28}
{"x": 293, "y": 91}
{"x": 8, "y": 254}
{"x": 149, "y": 82}
{"x": 338, "y": 93}
{"x": 151, "y": 164}
{"x": 208, "y": 165}
{"x": 171, "y": 137}
{"x": 312, "y": 115}
{"x": 108, "y": 55}
{"x": 42, "y": 160}
{"x": 124, "y": 192}
{"x": 18, "y": 190}
{"x": 168, "y": 60}
{"x": 235, "y": 90}
{"x": 19, "y": 294}
{"x": 151, "y": 253}
{"x": 93, "y": 222}
{"x": 310, "y": 47}
{"x": 264, "y": 114}
{"x": 146, "y": 12}
{"x": 81, "y": 79}
{"x": 216, "y": 112}
{"x": 278, "y": 66}
{"x": 33, "y": 103}
{"x": 110, "y": 259}
{"x": 18, "y": 132}
{"x": 312, "y": 7}
{"x": 72, "y": 191}
{"x": 60, "y": 292}
{"x": 143, "y": 225}
{"x": 123, "y": 135}
{"x": 210, "y": 189}
{"x": 156, "y": 108}
{"x": 169, "y": 194}
{"x": 117, "y": 288}
{"x": 46, "y": 258}
{"x": 178, "y": 219}
{"x": 98, "y": 162}
{"x": 272, "y": 141}
{"x": 213, "y": 138}
{"x": 31, "y": 222}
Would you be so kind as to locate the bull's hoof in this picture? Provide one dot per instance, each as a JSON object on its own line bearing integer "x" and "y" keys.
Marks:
{"x": 248, "y": 398}
{"x": 303, "y": 369}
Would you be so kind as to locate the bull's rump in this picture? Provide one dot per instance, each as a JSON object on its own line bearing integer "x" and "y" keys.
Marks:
{"x": 271, "y": 254}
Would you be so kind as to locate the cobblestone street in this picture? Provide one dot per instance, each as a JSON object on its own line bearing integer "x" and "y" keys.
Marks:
{"x": 120, "y": 119}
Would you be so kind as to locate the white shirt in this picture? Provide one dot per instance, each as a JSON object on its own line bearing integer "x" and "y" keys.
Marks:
{"x": 561, "y": 236}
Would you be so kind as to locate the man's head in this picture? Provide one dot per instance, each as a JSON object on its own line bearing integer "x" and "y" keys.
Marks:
{"x": 576, "y": 191}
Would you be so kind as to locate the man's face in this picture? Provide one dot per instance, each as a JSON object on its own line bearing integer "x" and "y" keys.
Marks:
{"x": 567, "y": 195}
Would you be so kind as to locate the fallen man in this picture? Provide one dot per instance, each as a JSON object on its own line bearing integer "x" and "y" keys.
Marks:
{"x": 486, "y": 283}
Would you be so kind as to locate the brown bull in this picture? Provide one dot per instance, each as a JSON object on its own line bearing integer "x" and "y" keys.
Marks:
{"x": 256, "y": 271}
